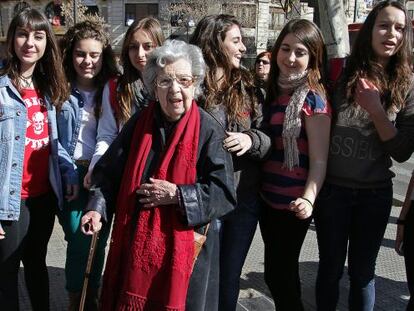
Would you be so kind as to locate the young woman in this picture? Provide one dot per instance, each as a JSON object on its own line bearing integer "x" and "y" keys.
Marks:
{"x": 89, "y": 63}
{"x": 293, "y": 174}
{"x": 404, "y": 241}
{"x": 126, "y": 95}
{"x": 373, "y": 121}
{"x": 232, "y": 100}
{"x": 31, "y": 159}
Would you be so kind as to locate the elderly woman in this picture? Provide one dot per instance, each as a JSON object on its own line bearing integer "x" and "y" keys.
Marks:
{"x": 165, "y": 176}
{"x": 262, "y": 70}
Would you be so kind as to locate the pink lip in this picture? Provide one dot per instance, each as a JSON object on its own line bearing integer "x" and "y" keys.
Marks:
{"x": 176, "y": 102}
{"x": 389, "y": 43}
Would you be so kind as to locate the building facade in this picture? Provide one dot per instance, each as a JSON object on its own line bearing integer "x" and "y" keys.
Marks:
{"x": 262, "y": 20}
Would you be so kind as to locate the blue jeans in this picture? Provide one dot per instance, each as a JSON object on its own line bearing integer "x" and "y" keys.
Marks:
{"x": 237, "y": 232}
{"x": 353, "y": 221}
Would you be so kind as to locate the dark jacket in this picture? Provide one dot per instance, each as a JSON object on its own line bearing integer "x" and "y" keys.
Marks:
{"x": 247, "y": 168}
{"x": 211, "y": 197}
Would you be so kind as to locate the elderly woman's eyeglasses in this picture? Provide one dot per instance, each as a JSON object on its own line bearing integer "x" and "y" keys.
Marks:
{"x": 262, "y": 61}
{"x": 183, "y": 80}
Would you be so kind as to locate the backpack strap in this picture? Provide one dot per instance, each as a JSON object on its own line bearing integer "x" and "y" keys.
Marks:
{"x": 113, "y": 98}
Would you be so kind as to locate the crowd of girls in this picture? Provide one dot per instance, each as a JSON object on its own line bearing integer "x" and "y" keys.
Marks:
{"x": 299, "y": 147}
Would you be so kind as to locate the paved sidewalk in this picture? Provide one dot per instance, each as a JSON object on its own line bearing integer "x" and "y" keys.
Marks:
{"x": 392, "y": 293}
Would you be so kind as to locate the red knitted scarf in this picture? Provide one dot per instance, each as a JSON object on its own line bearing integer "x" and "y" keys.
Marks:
{"x": 150, "y": 261}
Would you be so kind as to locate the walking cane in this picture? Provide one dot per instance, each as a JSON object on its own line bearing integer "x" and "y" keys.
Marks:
{"x": 91, "y": 256}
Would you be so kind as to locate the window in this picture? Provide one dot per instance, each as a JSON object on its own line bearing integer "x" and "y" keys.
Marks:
{"x": 92, "y": 10}
{"x": 245, "y": 13}
{"x": 250, "y": 43}
{"x": 135, "y": 12}
{"x": 53, "y": 13}
{"x": 276, "y": 18}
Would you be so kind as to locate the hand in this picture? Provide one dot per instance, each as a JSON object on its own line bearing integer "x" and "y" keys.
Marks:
{"x": 302, "y": 208}
{"x": 368, "y": 97}
{"x": 2, "y": 233}
{"x": 87, "y": 180}
{"x": 399, "y": 240}
{"x": 237, "y": 142}
{"x": 158, "y": 192}
{"x": 91, "y": 223}
{"x": 72, "y": 192}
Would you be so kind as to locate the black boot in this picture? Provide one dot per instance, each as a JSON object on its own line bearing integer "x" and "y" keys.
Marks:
{"x": 74, "y": 300}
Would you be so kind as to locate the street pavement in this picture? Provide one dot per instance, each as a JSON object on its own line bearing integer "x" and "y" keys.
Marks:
{"x": 391, "y": 291}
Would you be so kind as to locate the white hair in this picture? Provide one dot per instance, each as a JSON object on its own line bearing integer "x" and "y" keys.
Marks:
{"x": 170, "y": 52}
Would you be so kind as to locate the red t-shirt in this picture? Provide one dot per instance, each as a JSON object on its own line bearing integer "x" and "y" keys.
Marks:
{"x": 37, "y": 148}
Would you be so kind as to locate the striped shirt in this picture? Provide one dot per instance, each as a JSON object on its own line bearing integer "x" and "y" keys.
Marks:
{"x": 280, "y": 186}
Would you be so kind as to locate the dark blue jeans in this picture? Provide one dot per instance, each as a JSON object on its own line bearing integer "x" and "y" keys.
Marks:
{"x": 353, "y": 221}
{"x": 237, "y": 232}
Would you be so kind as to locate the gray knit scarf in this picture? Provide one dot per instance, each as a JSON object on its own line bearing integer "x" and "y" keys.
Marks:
{"x": 292, "y": 122}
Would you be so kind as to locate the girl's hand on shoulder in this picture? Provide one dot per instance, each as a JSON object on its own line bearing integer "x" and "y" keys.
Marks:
{"x": 2, "y": 233}
{"x": 302, "y": 208}
{"x": 237, "y": 142}
{"x": 368, "y": 97}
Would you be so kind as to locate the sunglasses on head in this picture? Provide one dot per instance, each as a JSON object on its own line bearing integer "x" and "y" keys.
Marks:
{"x": 264, "y": 62}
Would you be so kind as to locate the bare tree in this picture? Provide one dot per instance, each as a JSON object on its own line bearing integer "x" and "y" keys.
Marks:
{"x": 182, "y": 12}
{"x": 81, "y": 13}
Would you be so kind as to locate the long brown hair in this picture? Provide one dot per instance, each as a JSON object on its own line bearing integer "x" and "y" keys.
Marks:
{"x": 209, "y": 35}
{"x": 126, "y": 94}
{"x": 48, "y": 73}
{"x": 394, "y": 80}
{"x": 96, "y": 31}
{"x": 311, "y": 37}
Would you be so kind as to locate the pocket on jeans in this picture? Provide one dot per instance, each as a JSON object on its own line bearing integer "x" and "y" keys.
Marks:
{"x": 383, "y": 193}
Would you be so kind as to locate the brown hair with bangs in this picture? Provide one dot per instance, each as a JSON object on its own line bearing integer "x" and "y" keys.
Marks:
{"x": 126, "y": 94}
{"x": 48, "y": 73}
{"x": 311, "y": 37}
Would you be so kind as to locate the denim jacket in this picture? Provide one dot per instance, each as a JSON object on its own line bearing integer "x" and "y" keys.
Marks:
{"x": 13, "y": 117}
{"x": 69, "y": 121}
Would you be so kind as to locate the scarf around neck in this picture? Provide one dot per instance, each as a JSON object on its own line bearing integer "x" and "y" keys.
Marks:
{"x": 292, "y": 123}
{"x": 150, "y": 260}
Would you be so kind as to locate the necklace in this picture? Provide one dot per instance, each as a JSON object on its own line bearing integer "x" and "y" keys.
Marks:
{"x": 27, "y": 82}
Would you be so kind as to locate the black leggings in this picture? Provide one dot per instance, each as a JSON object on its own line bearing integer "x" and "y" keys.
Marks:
{"x": 408, "y": 245}
{"x": 26, "y": 240}
{"x": 283, "y": 235}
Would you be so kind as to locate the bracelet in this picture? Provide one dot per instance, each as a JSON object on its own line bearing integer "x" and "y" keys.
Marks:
{"x": 307, "y": 200}
{"x": 401, "y": 222}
